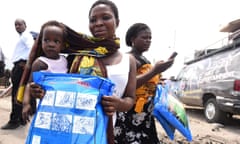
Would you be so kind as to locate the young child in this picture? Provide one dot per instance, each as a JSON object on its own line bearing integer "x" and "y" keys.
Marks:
{"x": 52, "y": 39}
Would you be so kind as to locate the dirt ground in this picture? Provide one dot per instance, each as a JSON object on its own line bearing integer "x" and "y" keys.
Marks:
{"x": 202, "y": 132}
{"x": 205, "y": 133}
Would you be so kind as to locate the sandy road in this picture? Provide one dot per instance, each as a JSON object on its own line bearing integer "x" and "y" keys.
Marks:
{"x": 202, "y": 132}
{"x": 16, "y": 136}
{"x": 206, "y": 133}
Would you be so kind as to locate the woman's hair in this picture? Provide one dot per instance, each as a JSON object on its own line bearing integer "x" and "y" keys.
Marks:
{"x": 133, "y": 32}
{"x": 109, "y": 3}
{"x": 74, "y": 41}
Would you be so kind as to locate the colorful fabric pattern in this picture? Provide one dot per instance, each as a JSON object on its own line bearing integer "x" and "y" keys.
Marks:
{"x": 147, "y": 89}
{"x": 137, "y": 126}
{"x": 77, "y": 44}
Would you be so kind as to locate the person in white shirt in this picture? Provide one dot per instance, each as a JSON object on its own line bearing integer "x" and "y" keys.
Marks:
{"x": 19, "y": 59}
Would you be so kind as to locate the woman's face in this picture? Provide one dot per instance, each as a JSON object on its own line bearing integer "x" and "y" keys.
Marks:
{"x": 102, "y": 22}
{"x": 142, "y": 41}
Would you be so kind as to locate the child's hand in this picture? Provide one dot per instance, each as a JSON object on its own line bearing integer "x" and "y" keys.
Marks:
{"x": 26, "y": 112}
{"x": 36, "y": 90}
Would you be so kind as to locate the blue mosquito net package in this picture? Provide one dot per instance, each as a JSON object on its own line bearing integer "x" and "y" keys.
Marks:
{"x": 171, "y": 114}
{"x": 70, "y": 111}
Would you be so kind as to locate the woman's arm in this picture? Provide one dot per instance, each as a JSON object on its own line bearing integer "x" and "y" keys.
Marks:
{"x": 129, "y": 97}
{"x": 111, "y": 104}
{"x": 158, "y": 68}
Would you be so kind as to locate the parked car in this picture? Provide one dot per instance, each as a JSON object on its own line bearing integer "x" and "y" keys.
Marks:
{"x": 212, "y": 81}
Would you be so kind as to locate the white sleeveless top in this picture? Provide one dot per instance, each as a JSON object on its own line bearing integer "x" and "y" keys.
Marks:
{"x": 55, "y": 66}
{"x": 118, "y": 74}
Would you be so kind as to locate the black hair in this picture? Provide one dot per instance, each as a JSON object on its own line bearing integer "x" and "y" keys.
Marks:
{"x": 109, "y": 3}
{"x": 54, "y": 23}
{"x": 133, "y": 31}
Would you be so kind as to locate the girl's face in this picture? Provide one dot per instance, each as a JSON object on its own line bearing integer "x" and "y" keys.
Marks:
{"x": 102, "y": 22}
{"x": 52, "y": 41}
{"x": 142, "y": 41}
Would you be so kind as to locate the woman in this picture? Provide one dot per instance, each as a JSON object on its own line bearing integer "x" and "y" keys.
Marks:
{"x": 120, "y": 68}
{"x": 138, "y": 125}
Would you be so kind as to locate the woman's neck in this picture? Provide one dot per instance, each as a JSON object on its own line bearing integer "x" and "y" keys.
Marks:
{"x": 134, "y": 51}
{"x": 112, "y": 59}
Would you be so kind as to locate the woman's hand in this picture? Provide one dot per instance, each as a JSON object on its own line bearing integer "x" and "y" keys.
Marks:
{"x": 162, "y": 66}
{"x": 36, "y": 90}
{"x": 110, "y": 104}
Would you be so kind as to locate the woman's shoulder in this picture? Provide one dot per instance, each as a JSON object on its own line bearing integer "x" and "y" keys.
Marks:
{"x": 128, "y": 56}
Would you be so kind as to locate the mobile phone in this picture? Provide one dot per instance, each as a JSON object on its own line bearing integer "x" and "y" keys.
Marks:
{"x": 173, "y": 55}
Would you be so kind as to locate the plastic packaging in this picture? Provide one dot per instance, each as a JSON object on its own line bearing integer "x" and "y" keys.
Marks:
{"x": 70, "y": 111}
{"x": 171, "y": 114}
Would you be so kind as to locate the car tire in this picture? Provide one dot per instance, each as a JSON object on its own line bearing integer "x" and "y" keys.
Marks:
{"x": 212, "y": 111}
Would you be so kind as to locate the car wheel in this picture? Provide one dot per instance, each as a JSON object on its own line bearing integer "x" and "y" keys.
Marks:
{"x": 212, "y": 112}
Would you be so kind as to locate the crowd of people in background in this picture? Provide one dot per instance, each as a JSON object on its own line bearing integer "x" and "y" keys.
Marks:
{"x": 130, "y": 107}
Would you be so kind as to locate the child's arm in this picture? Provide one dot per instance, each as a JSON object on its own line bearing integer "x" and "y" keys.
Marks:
{"x": 27, "y": 109}
{"x": 26, "y": 112}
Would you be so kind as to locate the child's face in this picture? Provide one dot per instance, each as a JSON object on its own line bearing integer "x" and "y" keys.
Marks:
{"x": 52, "y": 41}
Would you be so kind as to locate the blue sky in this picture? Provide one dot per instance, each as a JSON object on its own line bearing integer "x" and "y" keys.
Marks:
{"x": 177, "y": 25}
